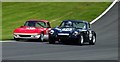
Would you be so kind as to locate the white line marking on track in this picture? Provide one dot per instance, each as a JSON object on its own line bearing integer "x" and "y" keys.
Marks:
{"x": 7, "y": 41}
{"x": 115, "y": 1}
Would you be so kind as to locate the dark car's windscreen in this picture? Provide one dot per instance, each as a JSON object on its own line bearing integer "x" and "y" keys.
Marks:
{"x": 35, "y": 24}
{"x": 72, "y": 25}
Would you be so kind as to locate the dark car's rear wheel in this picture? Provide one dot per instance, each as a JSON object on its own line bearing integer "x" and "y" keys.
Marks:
{"x": 17, "y": 39}
{"x": 81, "y": 40}
{"x": 93, "y": 40}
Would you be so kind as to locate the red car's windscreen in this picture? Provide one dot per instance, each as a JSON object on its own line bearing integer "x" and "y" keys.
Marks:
{"x": 35, "y": 24}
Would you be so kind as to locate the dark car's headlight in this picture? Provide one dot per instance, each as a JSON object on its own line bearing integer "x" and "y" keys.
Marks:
{"x": 75, "y": 33}
{"x": 52, "y": 31}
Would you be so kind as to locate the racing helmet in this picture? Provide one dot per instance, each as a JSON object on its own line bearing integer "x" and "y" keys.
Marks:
{"x": 68, "y": 24}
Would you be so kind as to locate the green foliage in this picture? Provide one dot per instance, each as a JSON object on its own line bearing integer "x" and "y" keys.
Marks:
{"x": 15, "y": 14}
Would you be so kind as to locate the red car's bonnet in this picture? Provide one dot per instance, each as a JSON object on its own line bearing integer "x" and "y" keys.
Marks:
{"x": 25, "y": 29}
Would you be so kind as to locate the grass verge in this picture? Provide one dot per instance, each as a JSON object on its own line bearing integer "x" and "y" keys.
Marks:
{"x": 14, "y": 14}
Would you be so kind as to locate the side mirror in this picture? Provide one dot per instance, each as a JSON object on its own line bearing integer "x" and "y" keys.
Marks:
{"x": 21, "y": 26}
{"x": 57, "y": 26}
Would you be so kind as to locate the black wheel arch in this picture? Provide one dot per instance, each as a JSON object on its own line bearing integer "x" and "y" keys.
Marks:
{"x": 42, "y": 32}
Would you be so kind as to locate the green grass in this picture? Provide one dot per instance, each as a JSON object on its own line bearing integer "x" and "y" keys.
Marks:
{"x": 0, "y": 20}
{"x": 15, "y": 14}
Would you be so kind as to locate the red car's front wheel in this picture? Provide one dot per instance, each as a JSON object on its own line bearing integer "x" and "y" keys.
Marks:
{"x": 41, "y": 37}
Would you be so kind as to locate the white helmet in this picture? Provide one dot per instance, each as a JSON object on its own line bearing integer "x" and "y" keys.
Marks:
{"x": 68, "y": 24}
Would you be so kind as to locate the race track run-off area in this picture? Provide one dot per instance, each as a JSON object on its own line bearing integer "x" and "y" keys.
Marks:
{"x": 106, "y": 47}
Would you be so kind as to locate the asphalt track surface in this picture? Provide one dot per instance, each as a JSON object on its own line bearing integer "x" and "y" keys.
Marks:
{"x": 106, "y": 47}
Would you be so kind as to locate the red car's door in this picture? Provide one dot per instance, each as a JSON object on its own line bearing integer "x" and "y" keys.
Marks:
{"x": 47, "y": 29}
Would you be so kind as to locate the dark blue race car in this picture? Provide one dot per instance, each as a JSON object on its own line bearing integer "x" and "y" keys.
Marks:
{"x": 72, "y": 31}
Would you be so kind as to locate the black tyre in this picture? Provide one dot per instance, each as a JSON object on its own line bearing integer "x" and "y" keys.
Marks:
{"x": 41, "y": 37}
{"x": 93, "y": 40}
{"x": 17, "y": 39}
{"x": 81, "y": 40}
{"x": 51, "y": 41}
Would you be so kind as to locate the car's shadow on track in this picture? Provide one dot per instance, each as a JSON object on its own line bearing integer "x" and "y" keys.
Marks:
{"x": 46, "y": 42}
{"x": 25, "y": 40}
{"x": 71, "y": 44}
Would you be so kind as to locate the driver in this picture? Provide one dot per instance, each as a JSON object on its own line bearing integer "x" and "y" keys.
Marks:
{"x": 68, "y": 24}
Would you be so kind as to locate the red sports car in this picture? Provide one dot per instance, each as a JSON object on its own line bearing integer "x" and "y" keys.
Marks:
{"x": 33, "y": 29}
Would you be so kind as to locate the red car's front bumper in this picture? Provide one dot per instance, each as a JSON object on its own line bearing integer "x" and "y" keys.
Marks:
{"x": 27, "y": 35}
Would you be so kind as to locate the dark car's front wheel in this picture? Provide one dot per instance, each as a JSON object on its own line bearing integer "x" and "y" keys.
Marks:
{"x": 93, "y": 40}
{"x": 81, "y": 40}
{"x": 51, "y": 40}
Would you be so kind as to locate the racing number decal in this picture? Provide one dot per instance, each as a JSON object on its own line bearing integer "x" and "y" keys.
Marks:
{"x": 66, "y": 29}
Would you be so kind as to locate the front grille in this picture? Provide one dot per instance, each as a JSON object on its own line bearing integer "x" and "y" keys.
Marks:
{"x": 25, "y": 35}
